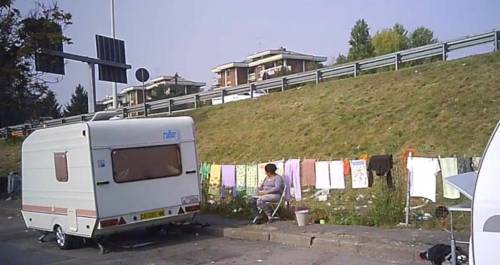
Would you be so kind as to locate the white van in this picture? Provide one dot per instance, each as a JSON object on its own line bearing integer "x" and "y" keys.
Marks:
{"x": 99, "y": 177}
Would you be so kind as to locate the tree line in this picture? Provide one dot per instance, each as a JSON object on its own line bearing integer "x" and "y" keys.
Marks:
{"x": 388, "y": 40}
{"x": 24, "y": 94}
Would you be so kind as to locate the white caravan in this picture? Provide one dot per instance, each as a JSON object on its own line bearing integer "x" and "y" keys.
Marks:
{"x": 99, "y": 177}
{"x": 484, "y": 190}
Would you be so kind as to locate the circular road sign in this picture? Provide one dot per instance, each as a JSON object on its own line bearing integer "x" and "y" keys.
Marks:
{"x": 142, "y": 75}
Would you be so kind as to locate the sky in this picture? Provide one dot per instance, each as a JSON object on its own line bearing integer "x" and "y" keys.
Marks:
{"x": 191, "y": 37}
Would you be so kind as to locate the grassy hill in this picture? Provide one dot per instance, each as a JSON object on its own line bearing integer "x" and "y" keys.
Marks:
{"x": 443, "y": 108}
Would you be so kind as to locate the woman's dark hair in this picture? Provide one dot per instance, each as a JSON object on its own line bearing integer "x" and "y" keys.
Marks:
{"x": 270, "y": 168}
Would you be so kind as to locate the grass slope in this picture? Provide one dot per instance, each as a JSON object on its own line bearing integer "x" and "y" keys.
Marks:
{"x": 443, "y": 108}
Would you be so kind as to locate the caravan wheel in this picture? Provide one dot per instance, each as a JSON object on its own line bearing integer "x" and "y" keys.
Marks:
{"x": 63, "y": 241}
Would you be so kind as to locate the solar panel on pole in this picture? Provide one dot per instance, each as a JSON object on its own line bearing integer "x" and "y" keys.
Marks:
{"x": 110, "y": 49}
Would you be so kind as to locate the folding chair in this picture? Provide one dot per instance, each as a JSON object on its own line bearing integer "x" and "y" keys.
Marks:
{"x": 274, "y": 205}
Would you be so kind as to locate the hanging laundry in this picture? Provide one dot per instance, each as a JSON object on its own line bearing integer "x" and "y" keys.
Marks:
{"x": 449, "y": 168}
{"x": 347, "y": 167}
{"x": 336, "y": 174}
{"x": 322, "y": 175}
{"x": 476, "y": 162}
{"x": 251, "y": 179}
{"x": 204, "y": 171}
{"x": 382, "y": 165}
{"x": 214, "y": 183}
{"x": 464, "y": 165}
{"x": 365, "y": 157}
{"x": 241, "y": 175}
{"x": 359, "y": 174}
{"x": 422, "y": 173}
{"x": 261, "y": 173}
{"x": 280, "y": 167}
{"x": 292, "y": 179}
{"x": 228, "y": 176}
{"x": 308, "y": 176}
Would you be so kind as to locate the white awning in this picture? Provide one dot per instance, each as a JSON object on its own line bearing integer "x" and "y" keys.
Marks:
{"x": 465, "y": 183}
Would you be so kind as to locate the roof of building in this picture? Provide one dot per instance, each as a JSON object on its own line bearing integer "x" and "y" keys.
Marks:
{"x": 269, "y": 56}
{"x": 164, "y": 79}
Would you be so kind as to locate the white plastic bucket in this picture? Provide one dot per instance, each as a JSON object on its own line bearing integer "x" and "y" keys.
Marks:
{"x": 302, "y": 217}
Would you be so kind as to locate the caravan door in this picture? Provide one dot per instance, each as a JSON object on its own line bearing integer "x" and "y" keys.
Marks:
{"x": 486, "y": 206}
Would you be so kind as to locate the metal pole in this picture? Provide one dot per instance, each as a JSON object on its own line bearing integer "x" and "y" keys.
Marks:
{"x": 114, "y": 86}
{"x": 283, "y": 84}
{"x": 144, "y": 100}
{"x": 196, "y": 101}
{"x": 445, "y": 50}
{"x": 318, "y": 76}
{"x": 251, "y": 90}
{"x": 222, "y": 94}
{"x": 355, "y": 69}
{"x": 496, "y": 40}
{"x": 396, "y": 61}
{"x": 408, "y": 186}
{"x": 91, "y": 90}
{"x": 453, "y": 253}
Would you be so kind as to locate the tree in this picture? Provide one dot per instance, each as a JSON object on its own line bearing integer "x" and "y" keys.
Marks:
{"x": 361, "y": 42}
{"x": 391, "y": 40}
{"x": 78, "y": 103}
{"x": 48, "y": 106}
{"x": 341, "y": 59}
{"x": 422, "y": 36}
{"x": 21, "y": 86}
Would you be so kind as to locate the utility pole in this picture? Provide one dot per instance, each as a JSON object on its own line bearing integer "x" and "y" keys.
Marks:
{"x": 114, "y": 87}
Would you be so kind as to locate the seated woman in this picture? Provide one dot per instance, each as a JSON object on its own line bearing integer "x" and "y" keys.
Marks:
{"x": 269, "y": 191}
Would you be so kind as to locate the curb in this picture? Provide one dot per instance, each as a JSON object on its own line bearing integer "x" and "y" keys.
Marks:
{"x": 395, "y": 250}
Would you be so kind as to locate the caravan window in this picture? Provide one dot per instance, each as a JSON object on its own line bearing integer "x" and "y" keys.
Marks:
{"x": 141, "y": 163}
{"x": 61, "y": 165}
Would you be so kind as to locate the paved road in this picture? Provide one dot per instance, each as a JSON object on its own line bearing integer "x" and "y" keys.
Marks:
{"x": 179, "y": 246}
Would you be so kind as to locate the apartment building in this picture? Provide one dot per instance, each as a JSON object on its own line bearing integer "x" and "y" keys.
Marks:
{"x": 264, "y": 65}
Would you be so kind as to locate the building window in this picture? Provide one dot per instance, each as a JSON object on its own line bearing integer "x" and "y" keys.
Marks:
{"x": 61, "y": 166}
{"x": 142, "y": 163}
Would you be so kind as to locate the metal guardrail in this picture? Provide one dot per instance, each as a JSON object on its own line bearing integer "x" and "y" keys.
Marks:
{"x": 179, "y": 104}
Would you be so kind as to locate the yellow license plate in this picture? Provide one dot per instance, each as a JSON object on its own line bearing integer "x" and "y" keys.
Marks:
{"x": 151, "y": 215}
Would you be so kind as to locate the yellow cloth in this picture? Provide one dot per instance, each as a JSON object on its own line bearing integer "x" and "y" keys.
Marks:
{"x": 215, "y": 178}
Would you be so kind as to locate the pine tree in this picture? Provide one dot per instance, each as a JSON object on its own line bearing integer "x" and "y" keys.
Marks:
{"x": 78, "y": 103}
{"x": 48, "y": 106}
{"x": 361, "y": 42}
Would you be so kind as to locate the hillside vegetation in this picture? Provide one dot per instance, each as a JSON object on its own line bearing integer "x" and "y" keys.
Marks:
{"x": 443, "y": 108}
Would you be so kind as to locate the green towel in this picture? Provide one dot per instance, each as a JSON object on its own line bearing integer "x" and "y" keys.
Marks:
{"x": 241, "y": 174}
{"x": 205, "y": 171}
{"x": 251, "y": 179}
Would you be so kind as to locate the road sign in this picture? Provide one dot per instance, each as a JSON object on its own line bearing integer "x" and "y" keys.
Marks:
{"x": 45, "y": 62}
{"x": 142, "y": 75}
{"x": 110, "y": 49}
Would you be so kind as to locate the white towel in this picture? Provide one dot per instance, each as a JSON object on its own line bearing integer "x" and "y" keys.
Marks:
{"x": 449, "y": 168}
{"x": 359, "y": 174}
{"x": 322, "y": 175}
{"x": 337, "y": 174}
{"x": 422, "y": 172}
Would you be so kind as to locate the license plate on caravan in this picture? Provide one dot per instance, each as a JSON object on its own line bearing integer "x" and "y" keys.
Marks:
{"x": 151, "y": 215}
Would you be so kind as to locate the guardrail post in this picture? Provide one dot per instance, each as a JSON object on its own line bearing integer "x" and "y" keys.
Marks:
{"x": 444, "y": 51}
{"x": 397, "y": 59}
{"x": 170, "y": 106}
{"x": 7, "y": 133}
{"x": 222, "y": 95}
{"x": 355, "y": 69}
{"x": 124, "y": 112}
{"x": 196, "y": 101}
{"x": 283, "y": 84}
{"x": 496, "y": 44}
{"x": 146, "y": 109}
{"x": 318, "y": 76}
{"x": 252, "y": 88}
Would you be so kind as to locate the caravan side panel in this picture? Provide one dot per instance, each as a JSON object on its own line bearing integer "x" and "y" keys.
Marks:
{"x": 49, "y": 201}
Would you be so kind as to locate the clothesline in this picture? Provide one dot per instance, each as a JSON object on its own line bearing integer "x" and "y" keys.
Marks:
{"x": 327, "y": 175}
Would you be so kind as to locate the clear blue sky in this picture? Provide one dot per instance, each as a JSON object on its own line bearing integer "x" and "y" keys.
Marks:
{"x": 190, "y": 37}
